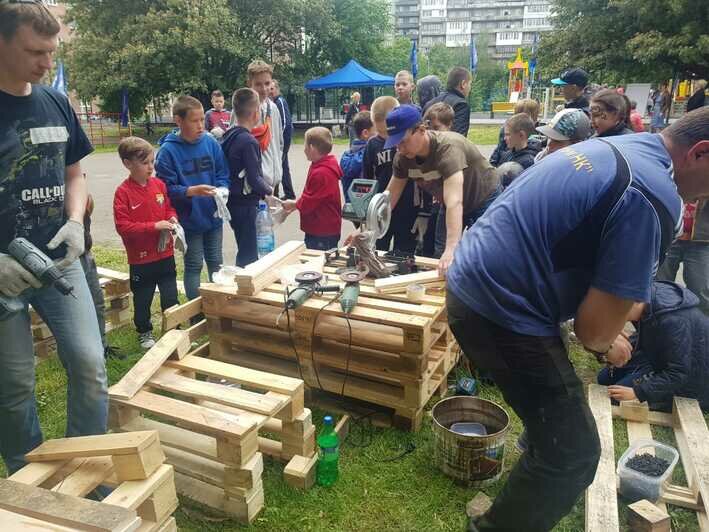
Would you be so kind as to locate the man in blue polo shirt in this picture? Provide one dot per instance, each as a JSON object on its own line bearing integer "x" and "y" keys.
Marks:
{"x": 579, "y": 234}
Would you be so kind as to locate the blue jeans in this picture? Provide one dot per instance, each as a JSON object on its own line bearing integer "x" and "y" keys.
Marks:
{"x": 74, "y": 325}
{"x": 695, "y": 256}
{"x": 468, "y": 220}
{"x": 636, "y": 367}
{"x": 201, "y": 247}
{"x": 243, "y": 222}
{"x": 323, "y": 243}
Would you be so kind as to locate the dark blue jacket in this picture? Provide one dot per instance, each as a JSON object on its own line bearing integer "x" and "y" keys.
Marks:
{"x": 243, "y": 156}
{"x": 286, "y": 118}
{"x": 182, "y": 164}
{"x": 673, "y": 335}
{"x": 351, "y": 164}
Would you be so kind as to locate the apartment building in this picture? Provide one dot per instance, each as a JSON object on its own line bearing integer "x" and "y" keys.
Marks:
{"x": 507, "y": 24}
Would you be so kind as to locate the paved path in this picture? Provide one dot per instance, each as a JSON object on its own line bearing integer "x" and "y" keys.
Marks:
{"x": 105, "y": 172}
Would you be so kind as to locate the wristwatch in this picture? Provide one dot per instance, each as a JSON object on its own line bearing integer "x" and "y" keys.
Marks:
{"x": 601, "y": 356}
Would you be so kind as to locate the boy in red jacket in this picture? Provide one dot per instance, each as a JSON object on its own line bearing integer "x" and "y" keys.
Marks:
{"x": 142, "y": 210}
{"x": 320, "y": 205}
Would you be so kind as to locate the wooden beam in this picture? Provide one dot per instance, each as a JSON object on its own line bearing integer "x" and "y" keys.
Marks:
{"x": 400, "y": 282}
{"x": 34, "y": 474}
{"x": 694, "y": 429}
{"x": 112, "y": 274}
{"x": 601, "y": 498}
{"x": 65, "y": 510}
{"x": 265, "y": 271}
{"x": 172, "y": 343}
{"x": 132, "y": 493}
{"x": 86, "y": 446}
{"x": 87, "y": 477}
{"x": 643, "y": 516}
{"x": 662, "y": 419}
{"x": 178, "y": 314}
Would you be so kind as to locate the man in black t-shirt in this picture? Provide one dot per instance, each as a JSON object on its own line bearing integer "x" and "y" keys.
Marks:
{"x": 42, "y": 198}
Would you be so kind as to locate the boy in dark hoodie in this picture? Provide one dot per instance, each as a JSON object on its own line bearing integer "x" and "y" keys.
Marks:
{"x": 243, "y": 156}
{"x": 671, "y": 351}
{"x": 193, "y": 166}
{"x": 351, "y": 161}
{"x": 378, "y": 164}
{"x": 518, "y": 128}
{"x": 320, "y": 205}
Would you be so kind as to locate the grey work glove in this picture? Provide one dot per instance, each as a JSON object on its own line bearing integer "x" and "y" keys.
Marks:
{"x": 420, "y": 227}
{"x": 72, "y": 235}
{"x": 221, "y": 197}
{"x": 180, "y": 240}
{"x": 165, "y": 237}
{"x": 14, "y": 279}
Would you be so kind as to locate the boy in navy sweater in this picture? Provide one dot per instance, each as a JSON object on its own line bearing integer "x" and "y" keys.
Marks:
{"x": 243, "y": 156}
{"x": 351, "y": 161}
{"x": 193, "y": 166}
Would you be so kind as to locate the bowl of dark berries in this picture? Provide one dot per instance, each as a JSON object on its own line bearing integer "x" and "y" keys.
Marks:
{"x": 644, "y": 470}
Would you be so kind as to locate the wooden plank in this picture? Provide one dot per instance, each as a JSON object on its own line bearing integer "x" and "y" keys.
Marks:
{"x": 12, "y": 522}
{"x": 132, "y": 493}
{"x": 65, "y": 510}
{"x": 173, "y": 316}
{"x": 260, "y": 380}
{"x": 172, "y": 342}
{"x": 402, "y": 281}
{"x": 112, "y": 274}
{"x": 643, "y": 516}
{"x": 694, "y": 429}
{"x": 300, "y": 472}
{"x": 166, "y": 379}
{"x": 601, "y": 498}
{"x": 161, "y": 504}
{"x": 662, "y": 419}
{"x": 87, "y": 477}
{"x": 204, "y": 420}
{"x": 197, "y": 330}
{"x": 86, "y": 446}
{"x": 140, "y": 465}
{"x": 35, "y": 473}
{"x": 682, "y": 497}
{"x": 634, "y": 411}
{"x": 265, "y": 271}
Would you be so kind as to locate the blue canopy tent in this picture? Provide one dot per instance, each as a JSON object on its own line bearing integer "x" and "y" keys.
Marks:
{"x": 352, "y": 75}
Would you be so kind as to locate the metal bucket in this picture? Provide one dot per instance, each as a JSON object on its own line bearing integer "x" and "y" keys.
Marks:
{"x": 475, "y": 461}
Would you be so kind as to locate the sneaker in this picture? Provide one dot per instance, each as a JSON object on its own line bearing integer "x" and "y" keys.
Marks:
{"x": 146, "y": 340}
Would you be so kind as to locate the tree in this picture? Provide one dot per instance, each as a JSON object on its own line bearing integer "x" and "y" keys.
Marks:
{"x": 628, "y": 40}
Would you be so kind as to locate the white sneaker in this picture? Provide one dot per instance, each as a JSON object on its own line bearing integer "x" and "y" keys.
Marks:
{"x": 146, "y": 340}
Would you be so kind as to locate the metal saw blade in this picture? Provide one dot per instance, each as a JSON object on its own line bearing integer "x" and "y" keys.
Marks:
{"x": 379, "y": 214}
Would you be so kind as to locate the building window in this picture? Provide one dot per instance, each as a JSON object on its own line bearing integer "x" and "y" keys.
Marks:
{"x": 50, "y": 2}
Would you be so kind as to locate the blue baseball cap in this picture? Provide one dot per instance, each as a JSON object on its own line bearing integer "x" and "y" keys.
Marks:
{"x": 573, "y": 76}
{"x": 399, "y": 121}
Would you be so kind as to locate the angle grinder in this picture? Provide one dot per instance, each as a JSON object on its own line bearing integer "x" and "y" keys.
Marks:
{"x": 351, "y": 277}
{"x": 308, "y": 284}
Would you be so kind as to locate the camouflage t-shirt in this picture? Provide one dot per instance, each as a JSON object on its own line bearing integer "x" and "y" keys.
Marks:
{"x": 40, "y": 136}
{"x": 450, "y": 153}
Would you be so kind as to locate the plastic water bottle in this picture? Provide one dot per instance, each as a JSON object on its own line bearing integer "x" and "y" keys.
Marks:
{"x": 265, "y": 240}
{"x": 329, "y": 450}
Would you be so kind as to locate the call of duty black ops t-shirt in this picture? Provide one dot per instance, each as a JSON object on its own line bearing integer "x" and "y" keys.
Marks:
{"x": 40, "y": 135}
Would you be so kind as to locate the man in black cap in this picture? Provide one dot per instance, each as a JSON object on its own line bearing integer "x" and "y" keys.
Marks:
{"x": 572, "y": 83}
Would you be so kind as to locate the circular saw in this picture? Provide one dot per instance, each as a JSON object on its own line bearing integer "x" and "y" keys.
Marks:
{"x": 368, "y": 207}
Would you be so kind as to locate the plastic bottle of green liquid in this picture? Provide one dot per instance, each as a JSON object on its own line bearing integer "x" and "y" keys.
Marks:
{"x": 329, "y": 445}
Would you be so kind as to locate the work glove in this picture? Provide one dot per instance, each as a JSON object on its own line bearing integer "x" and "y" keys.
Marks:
{"x": 420, "y": 227}
{"x": 71, "y": 234}
{"x": 221, "y": 197}
{"x": 165, "y": 237}
{"x": 217, "y": 132}
{"x": 180, "y": 240}
{"x": 14, "y": 279}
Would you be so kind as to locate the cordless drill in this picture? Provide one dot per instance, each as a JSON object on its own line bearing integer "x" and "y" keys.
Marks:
{"x": 39, "y": 265}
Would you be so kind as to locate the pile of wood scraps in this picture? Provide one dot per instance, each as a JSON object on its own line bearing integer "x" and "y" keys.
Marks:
{"x": 48, "y": 493}
{"x": 691, "y": 436}
{"x": 209, "y": 415}
{"x": 258, "y": 275}
{"x": 117, "y": 297}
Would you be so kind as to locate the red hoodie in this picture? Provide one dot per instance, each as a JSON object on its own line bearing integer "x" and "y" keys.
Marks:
{"x": 136, "y": 208}
{"x": 320, "y": 205}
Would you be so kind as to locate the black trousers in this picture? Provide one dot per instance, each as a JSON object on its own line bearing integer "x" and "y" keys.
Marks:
{"x": 538, "y": 381}
{"x": 143, "y": 280}
{"x": 243, "y": 222}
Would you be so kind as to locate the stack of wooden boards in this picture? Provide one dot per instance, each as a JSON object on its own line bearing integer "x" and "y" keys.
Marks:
{"x": 117, "y": 296}
{"x": 388, "y": 351}
{"x": 692, "y": 440}
{"x": 48, "y": 493}
{"x": 209, "y": 428}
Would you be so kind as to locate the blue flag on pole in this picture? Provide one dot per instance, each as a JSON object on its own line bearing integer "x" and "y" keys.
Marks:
{"x": 473, "y": 55}
{"x": 59, "y": 82}
{"x": 533, "y": 60}
{"x": 414, "y": 59}
{"x": 125, "y": 113}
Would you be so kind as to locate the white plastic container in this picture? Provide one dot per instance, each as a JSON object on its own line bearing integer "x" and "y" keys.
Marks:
{"x": 635, "y": 485}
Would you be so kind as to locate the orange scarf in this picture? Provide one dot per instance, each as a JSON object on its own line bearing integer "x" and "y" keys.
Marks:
{"x": 263, "y": 133}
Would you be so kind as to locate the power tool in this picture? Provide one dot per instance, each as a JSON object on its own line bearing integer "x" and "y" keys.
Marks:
{"x": 351, "y": 277}
{"x": 368, "y": 207}
{"x": 39, "y": 265}
{"x": 308, "y": 284}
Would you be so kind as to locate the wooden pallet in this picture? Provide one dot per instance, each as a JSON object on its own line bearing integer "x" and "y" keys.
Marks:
{"x": 48, "y": 493}
{"x": 691, "y": 434}
{"x": 117, "y": 297}
{"x": 210, "y": 429}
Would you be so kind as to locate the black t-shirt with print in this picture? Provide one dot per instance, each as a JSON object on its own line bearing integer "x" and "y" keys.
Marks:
{"x": 40, "y": 135}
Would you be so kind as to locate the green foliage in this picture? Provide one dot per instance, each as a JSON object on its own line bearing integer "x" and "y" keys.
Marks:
{"x": 628, "y": 40}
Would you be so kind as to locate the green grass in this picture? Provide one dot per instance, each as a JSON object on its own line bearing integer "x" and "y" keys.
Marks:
{"x": 372, "y": 494}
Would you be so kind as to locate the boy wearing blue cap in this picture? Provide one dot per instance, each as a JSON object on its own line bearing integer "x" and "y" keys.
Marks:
{"x": 446, "y": 165}
{"x": 573, "y": 83}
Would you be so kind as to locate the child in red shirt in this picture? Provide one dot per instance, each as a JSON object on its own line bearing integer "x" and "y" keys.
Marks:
{"x": 320, "y": 205}
{"x": 141, "y": 211}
